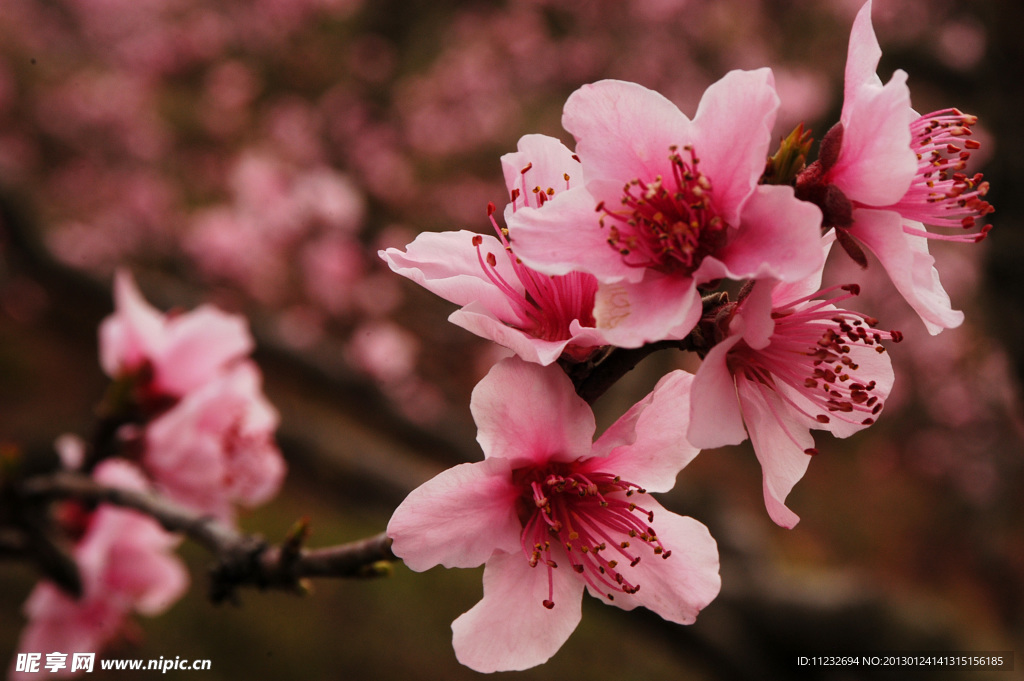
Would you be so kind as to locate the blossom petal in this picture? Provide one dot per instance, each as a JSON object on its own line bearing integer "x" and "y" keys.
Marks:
{"x": 548, "y": 160}
{"x": 623, "y": 131}
{"x": 128, "y": 337}
{"x": 528, "y": 413}
{"x": 733, "y": 129}
{"x": 458, "y": 518}
{"x": 677, "y": 587}
{"x": 871, "y": 366}
{"x": 715, "y": 416}
{"x": 447, "y": 264}
{"x": 876, "y": 163}
{"x": 778, "y": 237}
{"x": 510, "y": 629}
{"x": 754, "y": 322}
{"x": 912, "y": 269}
{"x": 197, "y": 346}
{"x": 475, "y": 318}
{"x": 564, "y": 236}
{"x": 658, "y": 449}
{"x": 779, "y": 442}
{"x": 660, "y": 307}
{"x": 863, "y": 55}
{"x": 785, "y": 293}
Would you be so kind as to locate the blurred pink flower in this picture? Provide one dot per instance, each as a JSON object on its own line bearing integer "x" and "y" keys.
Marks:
{"x": 216, "y": 446}
{"x": 332, "y": 268}
{"x": 183, "y": 352}
{"x": 385, "y": 351}
{"x": 126, "y": 563}
{"x": 552, "y": 514}
{"x": 789, "y": 363}
{"x": 884, "y": 170}
{"x": 677, "y": 204}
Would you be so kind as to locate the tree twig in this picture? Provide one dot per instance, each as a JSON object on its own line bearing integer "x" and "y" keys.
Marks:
{"x": 241, "y": 559}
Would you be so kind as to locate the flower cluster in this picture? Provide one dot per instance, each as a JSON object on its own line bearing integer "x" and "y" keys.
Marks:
{"x": 632, "y": 240}
{"x": 196, "y": 410}
{"x": 127, "y": 564}
{"x": 185, "y": 417}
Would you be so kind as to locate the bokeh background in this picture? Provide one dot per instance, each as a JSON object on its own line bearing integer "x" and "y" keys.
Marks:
{"x": 257, "y": 154}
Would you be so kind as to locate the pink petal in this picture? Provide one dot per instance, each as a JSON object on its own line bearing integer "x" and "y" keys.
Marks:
{"x": 680, "y": 586}
{"x": 548, "y": 160}
{"x": 197, "y": 346}
{"x": 779, "y": 442}
{"x": 447, "y": 265}
{"x": 129, "y": 336}
{"x": 733, "y": 127}
{"x": 528, "y": 413}
{"x": 715, "y": 416}
{"x": 458, "y": 518}
{"x": 659, "y": 307}
{"x": 906, "y": 259}
{"x": 564, "y": 236}
{"x": 863, "y": 55}
{"x": 624, "y": 131}
{"x": 649, "y": 440}
{"x": 476, "y": 319}
{"x": 872, "y": 366}
{"x": 754, "y": 322}
{"x": 876, "y": 163}
{"x": 786, "y": 292}
{"x": 510, "y": 629}
{"x": 778, "y": 238}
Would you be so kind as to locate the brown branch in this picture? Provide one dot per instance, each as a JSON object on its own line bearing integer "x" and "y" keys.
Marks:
{"x": 241, "y": 559}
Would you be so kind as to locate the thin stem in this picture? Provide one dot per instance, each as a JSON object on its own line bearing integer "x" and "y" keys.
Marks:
{"x": 242, "y": 559}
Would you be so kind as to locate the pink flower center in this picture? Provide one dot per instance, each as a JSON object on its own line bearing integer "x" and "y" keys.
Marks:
{"x": 586, "y": 518}
{"x": 667, "y": 225}
{"x": 810, "y": 354}
{"x": 941, "y": 193}
{"x": 544, "y": 306}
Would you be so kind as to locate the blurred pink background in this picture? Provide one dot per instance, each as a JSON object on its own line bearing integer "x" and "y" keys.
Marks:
{"x": 256, "y": 154}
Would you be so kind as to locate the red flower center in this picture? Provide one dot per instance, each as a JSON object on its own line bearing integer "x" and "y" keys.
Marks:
{"x": 667, "y": 225}
{"x": 587, "y": 518}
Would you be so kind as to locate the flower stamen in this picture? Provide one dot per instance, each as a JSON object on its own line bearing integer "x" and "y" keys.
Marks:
{"x": 668, "y": 226}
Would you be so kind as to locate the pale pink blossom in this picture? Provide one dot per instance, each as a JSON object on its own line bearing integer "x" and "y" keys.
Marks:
{"x": 789, "y": 362}
{"x": 884, "y": 172}
{"x": 537, "y": 316}
{"x": 180, "y": 352}
{"x": 127, "y": 565}
{"x": 668, "y": 204}
{"x": 216, "y": 447}
{"x": 552, "y": 513}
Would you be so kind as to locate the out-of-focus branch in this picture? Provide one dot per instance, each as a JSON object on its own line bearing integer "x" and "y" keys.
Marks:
{"x": 241, "y": 559}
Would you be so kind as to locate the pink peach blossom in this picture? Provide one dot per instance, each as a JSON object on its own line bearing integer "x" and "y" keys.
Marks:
{"x": 537, "y": 316}
{"x": 183, "y": 352}
{"x": 552, "y": 514}
{"x": 668, "y": 204}
{"x": 790, "y": 362}
{"x": 127, "y": 565}
{"x": 216, "y": 447}
{"x": 884, "y": 170}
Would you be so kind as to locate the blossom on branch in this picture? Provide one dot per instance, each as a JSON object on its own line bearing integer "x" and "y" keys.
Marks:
{"x": 552, "y": 513}
{"x": 668, "y": 205}
{"x": 216, "y": 446}
{"x": 196, "y": 402}
{"x": 127, "y": 564}
{"x": 884, "y": 172}
{"x": 789, "y": 362}
{"x": 170, "y": 355}
{"x": 539, "y": 317}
